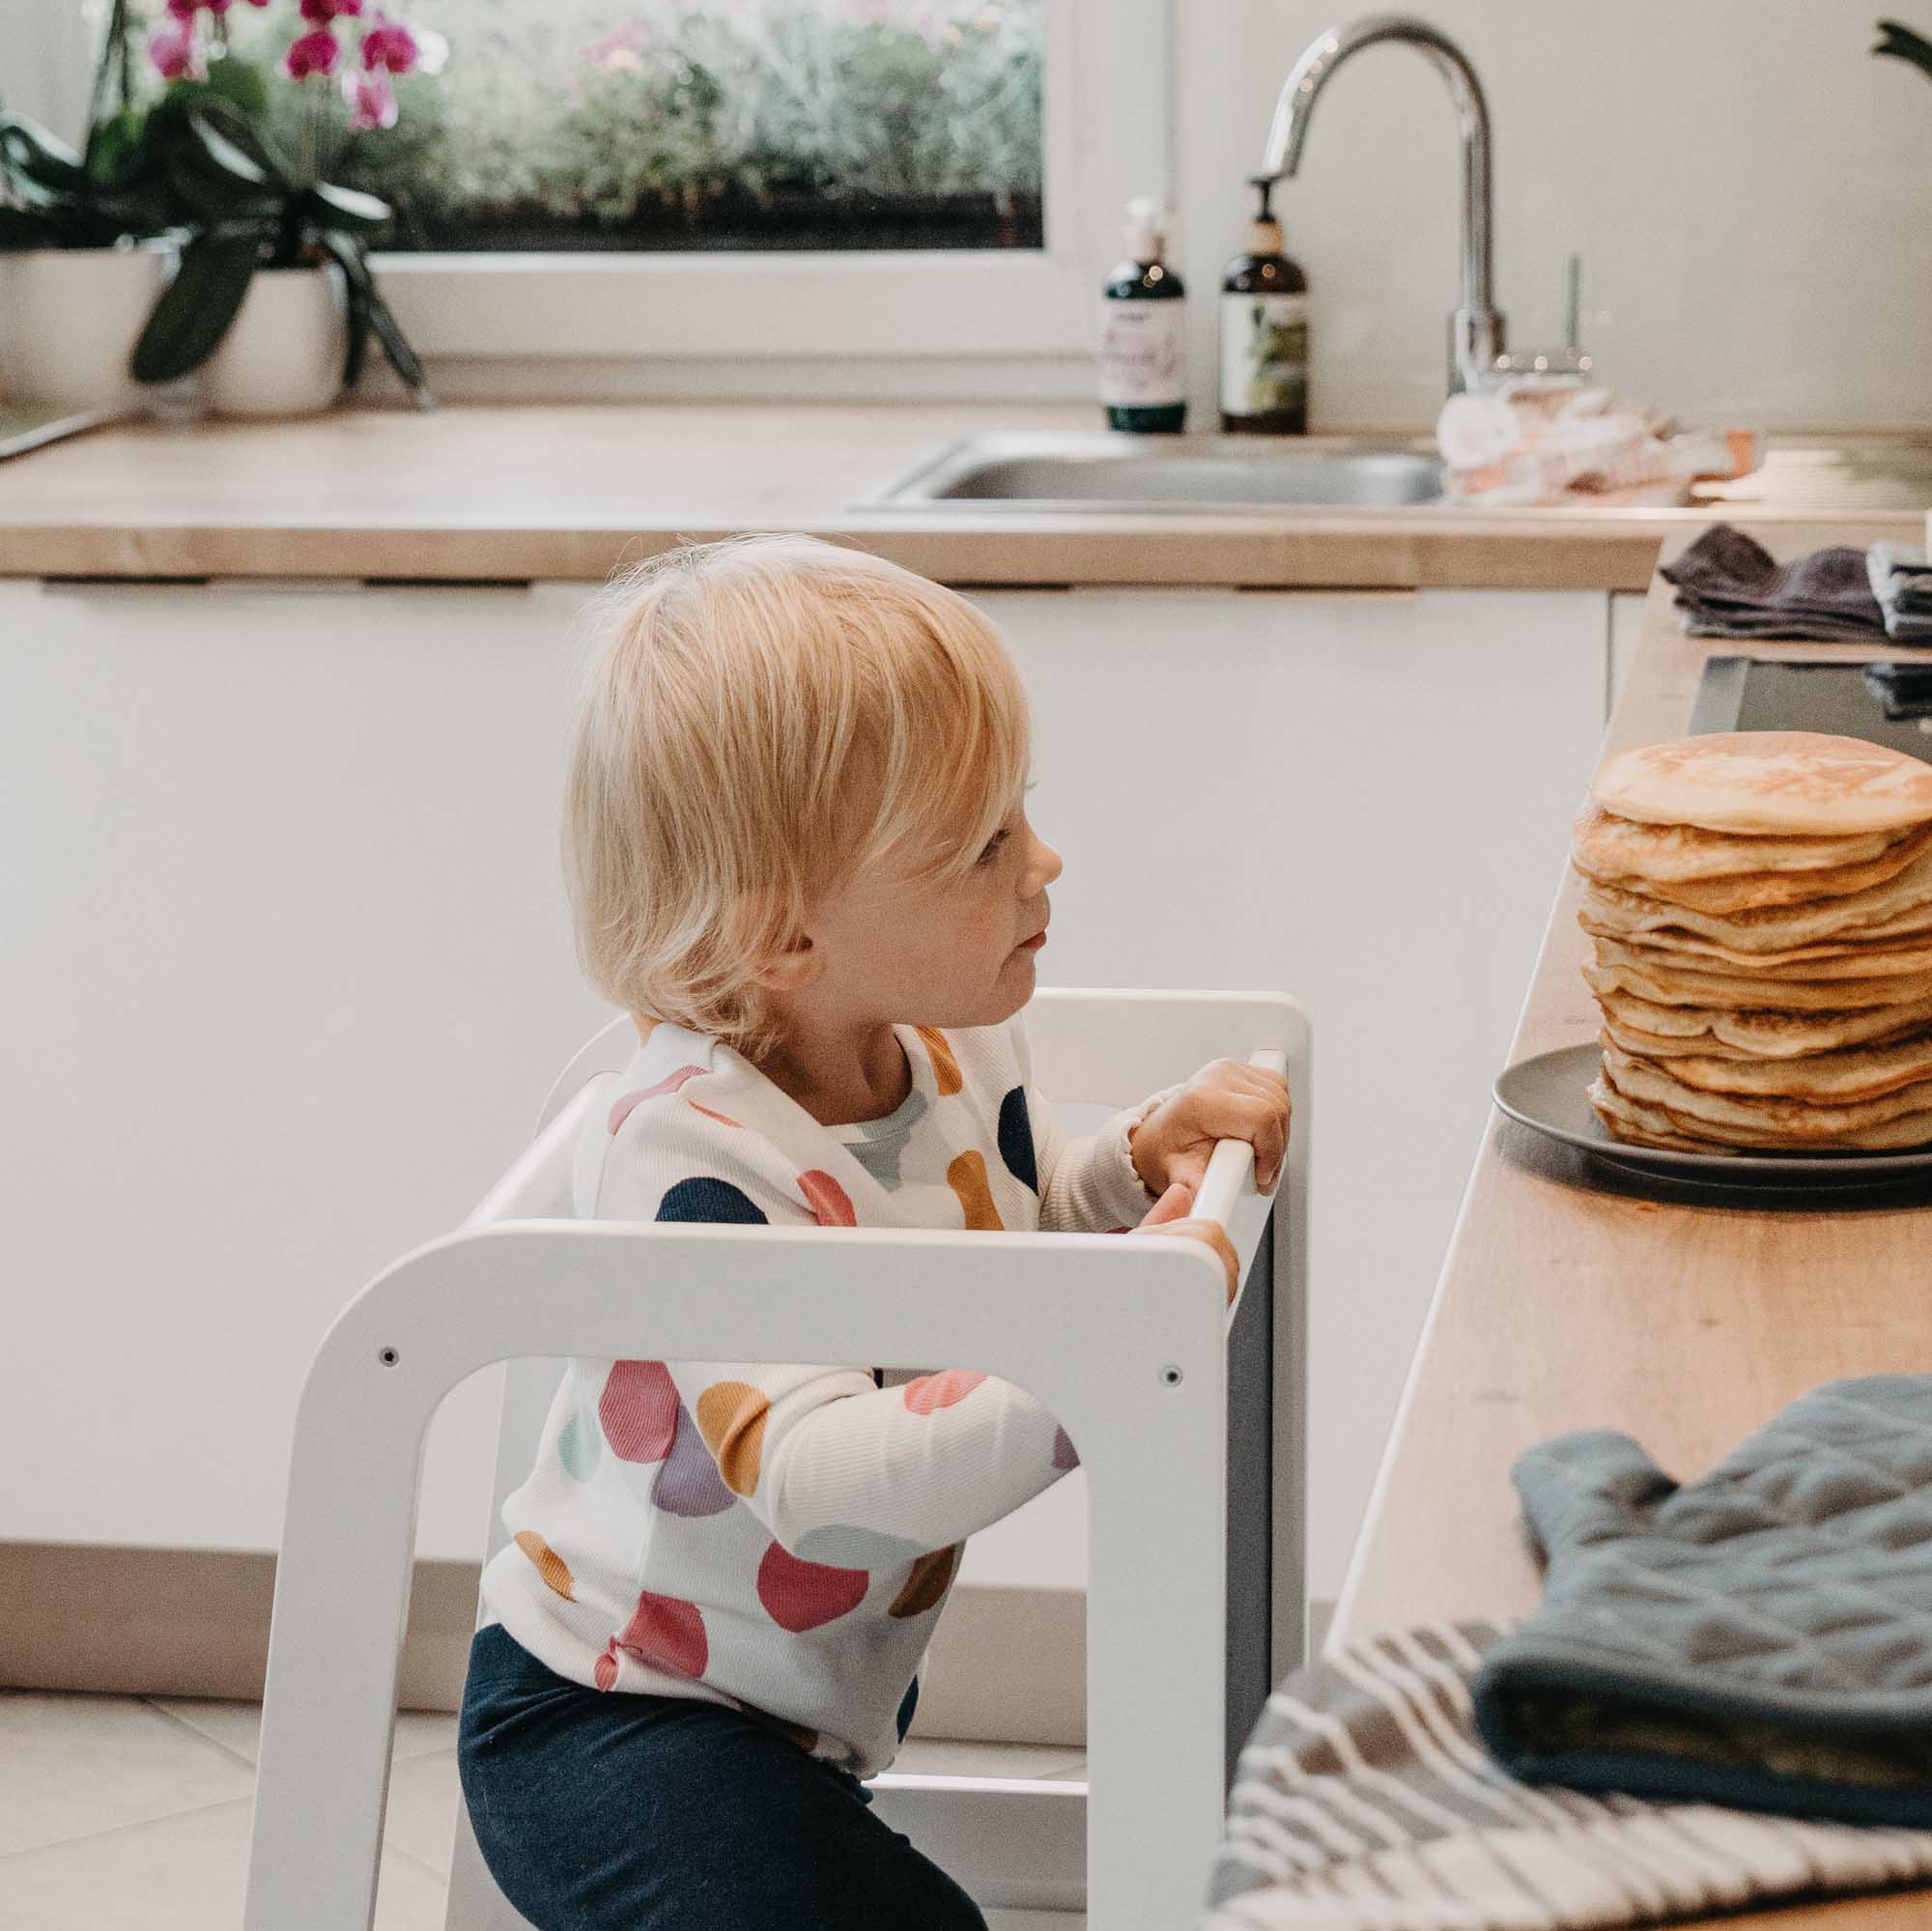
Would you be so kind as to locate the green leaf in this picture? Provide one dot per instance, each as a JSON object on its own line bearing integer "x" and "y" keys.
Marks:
{"x": 388, "y": 330}
{"x": 31, "y": 155}
{"x": 237, "y": 81}
{"x": 27, "y": 228}
{"x": 223, "y": 119}
{"x": 215, "y": 179}
{"x": 117, "y": 148}
{"x": 349, "y": 209}
{"x": 1902, "y": 44}
{"x": 197, "y": 306}
{"x": 362, "y": 286}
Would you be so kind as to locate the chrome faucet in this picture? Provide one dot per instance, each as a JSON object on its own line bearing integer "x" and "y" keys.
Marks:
{"x": 1476, "y": 328}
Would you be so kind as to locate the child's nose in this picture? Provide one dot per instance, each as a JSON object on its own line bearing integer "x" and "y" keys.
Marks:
{"x": 1046, "y": 864}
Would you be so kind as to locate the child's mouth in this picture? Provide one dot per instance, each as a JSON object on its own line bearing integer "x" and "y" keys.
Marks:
{"x": 1031, "y": 945}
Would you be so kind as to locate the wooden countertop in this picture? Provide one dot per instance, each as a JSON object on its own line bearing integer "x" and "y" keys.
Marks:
{"x": 1570, "y": 1301}
{"x": 488, "y": 492}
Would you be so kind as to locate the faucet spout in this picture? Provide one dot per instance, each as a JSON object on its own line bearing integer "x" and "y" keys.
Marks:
{"x": 1476, "y": 330}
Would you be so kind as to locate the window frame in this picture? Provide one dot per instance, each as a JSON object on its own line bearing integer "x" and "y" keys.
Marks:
{"x": 1106, "y": 133}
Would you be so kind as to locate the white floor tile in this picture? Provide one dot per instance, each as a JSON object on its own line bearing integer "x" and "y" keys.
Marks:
{"x": 71, "y": 1765}
{"x": 182, "y": 1873}
{"x": 423, "y": 1796}
{"x": 418, "y": 1733}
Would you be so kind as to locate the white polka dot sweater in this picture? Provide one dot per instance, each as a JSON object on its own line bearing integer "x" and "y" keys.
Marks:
{"x": 781, "y": 1539}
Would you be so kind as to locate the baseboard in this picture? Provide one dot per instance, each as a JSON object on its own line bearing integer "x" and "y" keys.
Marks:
{"x": 176, "y": 1622}
{"x": 1007, "y": 1664}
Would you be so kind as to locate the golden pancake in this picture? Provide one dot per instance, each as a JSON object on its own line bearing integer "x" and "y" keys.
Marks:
{"x": 1666, "y": 987}
{"x": 1817, "y": 1079}
{"x": 1794, "y": 1122}
{"x": 1764, "y": 1036}
{"x": 1816, "y": 963}
{"x": 1612, "y": 849}
{"x": 1668, "y": 1045}
{"x": 1773, "y": 783}
{"x": 1748, "y": 892}
{"x": 1901, "y": 903}
{"x": 1658, "y": 1126}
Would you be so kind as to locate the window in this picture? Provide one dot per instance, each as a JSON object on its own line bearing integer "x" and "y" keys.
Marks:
{"x": 768, "y": 124}
{"x": 743, "y": 181}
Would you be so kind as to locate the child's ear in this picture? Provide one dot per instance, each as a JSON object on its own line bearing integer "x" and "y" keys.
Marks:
{"x": 793, "y": 969}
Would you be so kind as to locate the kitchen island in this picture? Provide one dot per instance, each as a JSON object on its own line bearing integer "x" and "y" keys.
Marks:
{"x": 1573, "y": 1297}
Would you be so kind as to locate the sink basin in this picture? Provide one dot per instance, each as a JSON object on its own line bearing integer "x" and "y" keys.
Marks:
{"x": 1071, "y": 471}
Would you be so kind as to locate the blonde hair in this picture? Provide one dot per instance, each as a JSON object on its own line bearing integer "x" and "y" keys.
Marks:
{"x": 762, "y": 720}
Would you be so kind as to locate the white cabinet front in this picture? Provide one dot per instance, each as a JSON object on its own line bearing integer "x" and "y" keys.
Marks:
{"x": 289, "y": 971}
{"x": 288, "y": 974}
{"x": 1363, "y": 800}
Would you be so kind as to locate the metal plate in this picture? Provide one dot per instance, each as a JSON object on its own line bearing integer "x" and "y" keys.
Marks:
{"x": 1550, "y": 1095}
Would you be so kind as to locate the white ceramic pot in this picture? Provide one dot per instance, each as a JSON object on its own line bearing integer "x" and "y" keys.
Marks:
{"x": 70, "y": 319}
{"x": 283, "y": 352}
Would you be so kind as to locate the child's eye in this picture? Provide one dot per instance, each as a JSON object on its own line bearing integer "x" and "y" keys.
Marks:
{"x": 993, "y": 845}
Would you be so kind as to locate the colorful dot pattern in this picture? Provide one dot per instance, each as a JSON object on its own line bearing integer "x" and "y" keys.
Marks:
{"x": 701, "y": 1449}
{"x": 800, "y": 1594}
{"x": 1017, "y": 1139}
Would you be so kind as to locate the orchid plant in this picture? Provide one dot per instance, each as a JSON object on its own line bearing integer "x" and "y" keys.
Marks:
{"x": 249, "y": 204}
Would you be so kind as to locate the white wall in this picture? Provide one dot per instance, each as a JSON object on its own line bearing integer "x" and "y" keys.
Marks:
{"x": 1748, "y": 187}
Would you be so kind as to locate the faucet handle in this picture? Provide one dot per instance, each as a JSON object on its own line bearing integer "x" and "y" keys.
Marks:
{"x": 1571, "y": 363}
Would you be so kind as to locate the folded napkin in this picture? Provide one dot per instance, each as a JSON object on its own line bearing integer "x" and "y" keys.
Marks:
{"x": 1728, "y": 585}
{"x": 1363, "y": 1802}
{"x": 1901, "y": 580}
{"x": 1557, "y": 439}
{"x": 1760, "y": 1638}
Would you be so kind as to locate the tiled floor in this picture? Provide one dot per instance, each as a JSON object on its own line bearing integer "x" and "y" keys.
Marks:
{"x": 134, "y": 1811}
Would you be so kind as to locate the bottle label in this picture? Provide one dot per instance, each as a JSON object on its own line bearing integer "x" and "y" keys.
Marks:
{"x": 1264, "y": 354}
{"x": 1142, "y": 353}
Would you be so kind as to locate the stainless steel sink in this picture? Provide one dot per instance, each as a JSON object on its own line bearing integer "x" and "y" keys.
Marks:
{"x": 1070, "y": 470}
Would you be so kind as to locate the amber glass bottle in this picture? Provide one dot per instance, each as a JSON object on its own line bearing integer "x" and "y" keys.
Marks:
{"x": 1264, "y": 333}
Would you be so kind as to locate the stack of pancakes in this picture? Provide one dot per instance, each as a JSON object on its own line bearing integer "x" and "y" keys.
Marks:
{"x": 1761, "y": 908}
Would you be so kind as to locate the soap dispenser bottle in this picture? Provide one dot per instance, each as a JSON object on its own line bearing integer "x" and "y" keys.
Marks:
{"x": 1142, "y": 331}
{"x": 1263, "y": 332}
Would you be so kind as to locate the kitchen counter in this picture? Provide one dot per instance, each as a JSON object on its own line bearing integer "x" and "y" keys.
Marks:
{"x": 493, "y": 493}
{"x": 1572, "y": 1300}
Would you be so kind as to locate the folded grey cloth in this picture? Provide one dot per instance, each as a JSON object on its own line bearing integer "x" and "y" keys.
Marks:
{"x": 1761, "y": 1638}
{"x": 1729, "y": 585}
{"x": 1901, "y": 580}
{"x": 1363, "y": 1802}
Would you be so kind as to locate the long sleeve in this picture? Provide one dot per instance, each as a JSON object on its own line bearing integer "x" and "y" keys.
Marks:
{"x": 1089, "y": 1184}
{"x": 840, "y": 1470}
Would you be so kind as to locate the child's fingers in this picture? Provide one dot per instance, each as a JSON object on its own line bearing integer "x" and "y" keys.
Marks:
{"x": 1167, "y": 1216}
{"x": 1172, "y": 1205}
{"x": 1210, "y": 1235}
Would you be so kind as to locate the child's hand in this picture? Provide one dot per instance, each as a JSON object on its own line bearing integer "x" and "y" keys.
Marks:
{"x": 1227, "y": 1100}
{"x": 1166, "y": 1216}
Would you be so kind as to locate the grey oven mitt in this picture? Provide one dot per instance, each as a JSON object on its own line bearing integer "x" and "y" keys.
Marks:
{"x": 1761, "y": 1638}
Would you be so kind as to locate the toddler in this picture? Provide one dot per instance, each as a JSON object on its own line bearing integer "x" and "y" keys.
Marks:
{"x": 798, "y": 853}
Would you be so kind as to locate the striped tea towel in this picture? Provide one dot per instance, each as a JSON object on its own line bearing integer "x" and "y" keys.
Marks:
{"x": 1363, "y": 1802}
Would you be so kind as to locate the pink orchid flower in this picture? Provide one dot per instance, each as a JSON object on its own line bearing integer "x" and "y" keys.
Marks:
{"x": 319, "y": 13}
{"x": 390, "y": 44}
{"x": 313, "y": 53}
{"x": 372, "y": 101}
{"x": 173, "y": 54}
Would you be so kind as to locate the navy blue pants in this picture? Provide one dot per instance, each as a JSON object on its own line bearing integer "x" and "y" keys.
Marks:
{"x": 612, "y": 1811}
